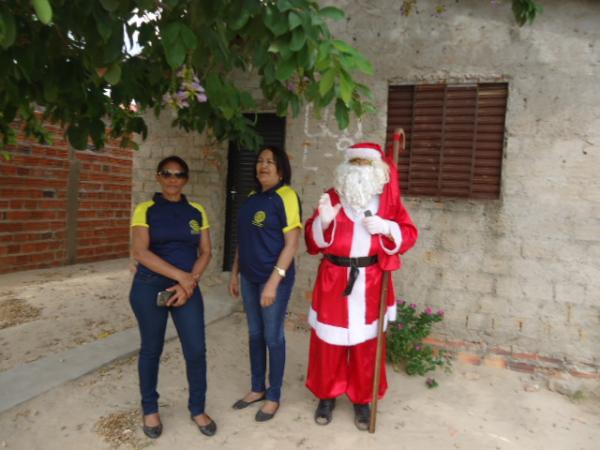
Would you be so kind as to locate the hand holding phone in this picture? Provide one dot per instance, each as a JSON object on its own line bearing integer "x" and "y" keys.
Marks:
{"x": 163, "y": 297}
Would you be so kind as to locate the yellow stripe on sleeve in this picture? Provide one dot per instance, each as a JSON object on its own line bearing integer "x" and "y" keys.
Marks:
{"x": 291, "y": 204}
{"x": 200, "y": 208}
{"x": 140, "y": 214}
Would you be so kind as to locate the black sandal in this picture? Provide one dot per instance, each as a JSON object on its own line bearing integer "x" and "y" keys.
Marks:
{"x": 324, "y": 411}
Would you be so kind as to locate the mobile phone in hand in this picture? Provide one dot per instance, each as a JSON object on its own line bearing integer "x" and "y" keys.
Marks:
{"x": 163, "y": 297}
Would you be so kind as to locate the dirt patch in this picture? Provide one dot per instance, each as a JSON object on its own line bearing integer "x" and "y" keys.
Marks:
{"x": 15, "y": 311}
{"x": 120, "y": 429}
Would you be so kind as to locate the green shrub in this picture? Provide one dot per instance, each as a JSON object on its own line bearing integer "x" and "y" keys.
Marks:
{"x": 405, "y": 341}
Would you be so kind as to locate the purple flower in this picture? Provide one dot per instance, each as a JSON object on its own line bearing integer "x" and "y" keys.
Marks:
{"x": 182, "y": 95}
{"x": 197, "y": 87}
{"x": 291, "y": 86}
{"x": 201, "y": 98}
{"x": 400, "y": 302}
{"x": 400, "y": 326}
{"x": 418, "y": 347}
{"x": 413, "y": 305}
{"x": 428, "y": 311}
{"x": 440, "y": 312}
{"x": 431, "y": 383}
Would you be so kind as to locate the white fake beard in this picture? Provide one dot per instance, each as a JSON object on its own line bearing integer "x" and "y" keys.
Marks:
{"x": 358, "y": 184}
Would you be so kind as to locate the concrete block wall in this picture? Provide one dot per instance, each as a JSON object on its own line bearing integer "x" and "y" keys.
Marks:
{"x": 519, "y": 277}
{"x": 59, "y": 206}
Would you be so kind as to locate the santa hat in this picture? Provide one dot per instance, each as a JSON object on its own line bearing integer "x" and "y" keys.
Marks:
{"x": 364, "y": 150}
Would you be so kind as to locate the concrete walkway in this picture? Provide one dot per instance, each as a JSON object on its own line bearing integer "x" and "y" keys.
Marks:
{"x": 27, "y": 381}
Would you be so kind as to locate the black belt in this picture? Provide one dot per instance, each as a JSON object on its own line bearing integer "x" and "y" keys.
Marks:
{"x": 354, "y": 264}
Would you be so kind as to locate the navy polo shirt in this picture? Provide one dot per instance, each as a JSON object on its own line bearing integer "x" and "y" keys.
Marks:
{"x": 174, "y": 228}
{"x": 263, "y": 220}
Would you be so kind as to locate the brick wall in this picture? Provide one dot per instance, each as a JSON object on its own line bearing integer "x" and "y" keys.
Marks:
{"x": 104, "y": 204}
{"x": 59, "y": 206}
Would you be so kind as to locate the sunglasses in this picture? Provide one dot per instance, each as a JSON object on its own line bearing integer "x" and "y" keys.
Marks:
{"x": 168, "y": 174}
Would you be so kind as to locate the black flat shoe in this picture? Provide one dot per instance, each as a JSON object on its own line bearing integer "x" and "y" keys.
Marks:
{"x": 362, "y": 416}
{"x": 324, "y": 411}
{"x": 262, "y": 416}
{"x": 153, "y": 432}
{"x": 241, "y": 403}
{"x": 209, "y": 429}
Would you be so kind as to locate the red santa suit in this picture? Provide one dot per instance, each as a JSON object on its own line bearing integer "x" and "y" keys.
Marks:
{"x": 344, "y": 327}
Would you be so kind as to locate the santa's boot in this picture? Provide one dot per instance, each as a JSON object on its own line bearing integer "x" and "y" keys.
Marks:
{"x": 324, "y": 411}
{"x": 362, "y": 416}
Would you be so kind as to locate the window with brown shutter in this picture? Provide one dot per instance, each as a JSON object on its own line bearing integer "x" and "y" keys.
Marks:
{"x": 454, "y": 138}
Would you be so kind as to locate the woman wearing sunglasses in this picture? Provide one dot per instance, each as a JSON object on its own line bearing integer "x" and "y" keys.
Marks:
{"x": 171, "y": 243}
{"x": 269, "y": 228}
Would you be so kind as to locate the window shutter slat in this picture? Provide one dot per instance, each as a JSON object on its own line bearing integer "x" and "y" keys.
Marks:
{"x": 454, "y": 138}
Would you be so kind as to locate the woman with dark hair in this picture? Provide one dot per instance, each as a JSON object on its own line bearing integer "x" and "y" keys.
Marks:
{"x": 269, "y": 228}
{"x": 171, "y": 243}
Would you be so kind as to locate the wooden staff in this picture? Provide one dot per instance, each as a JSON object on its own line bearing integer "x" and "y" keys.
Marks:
{"x": 398, "y": 137}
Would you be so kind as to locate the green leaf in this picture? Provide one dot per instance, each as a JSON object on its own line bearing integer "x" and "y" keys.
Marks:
{"x": 295, "y": 103}
{"x": 146, "y": 4}
{"x": 188, "y": 37}
{"x": 227, "y": 111}
{"x": 78, "y": 135}
{"x": 341, "y": 115}
{"x": 43, "y": 10}
{"x": 294, "y": 20}
{"x": 346, "y": 88}
{"x": 113, "y": 75}
{"x": 8, "y": 29}
{"x": 246, "y": 100}
{"x": 110, "y": 5}
{"x": 170, "y": 33}
{"x": 97, "y": 128}
{"x": 344, "y": 47}
{"x": 326, "y": 82}
{"x": 214, "y": 87}
{"x": 114, "y": 49}
{"x": 362, "y": 63}
{"x": 332, "y": 12}
{"x": 284, "y": 5}
{"x": 274, "y": 47}
{"x": 276, "y": 22}
{"x": 50, "y": 90}
{"x": 298, "y": 40}
{"x": 175, "y": 55}
{"x": 103, "y": 26}
{"x": 285, "y": 70}
{"x": 242, "y": 20}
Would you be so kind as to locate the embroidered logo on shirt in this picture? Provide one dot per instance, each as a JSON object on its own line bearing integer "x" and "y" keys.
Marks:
{"x": 259, "y": 219}
{"x": 194, "y": 227}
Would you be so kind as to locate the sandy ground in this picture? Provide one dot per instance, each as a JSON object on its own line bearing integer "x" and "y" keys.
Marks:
{"x": 474, "y": 408}
{"x": 52, "y": 310}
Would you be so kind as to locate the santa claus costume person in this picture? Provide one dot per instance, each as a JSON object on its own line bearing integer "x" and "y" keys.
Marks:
{"x": 361, "y": 227}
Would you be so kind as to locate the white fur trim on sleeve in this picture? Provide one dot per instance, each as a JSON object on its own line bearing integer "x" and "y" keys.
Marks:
{"x": 396, "y": 235}
{"x": 317, "y": 232}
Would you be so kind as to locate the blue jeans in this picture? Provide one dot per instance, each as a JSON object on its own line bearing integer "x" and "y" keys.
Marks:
{"x": 152, "y": 322}
{"x": 266, "y": 331}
